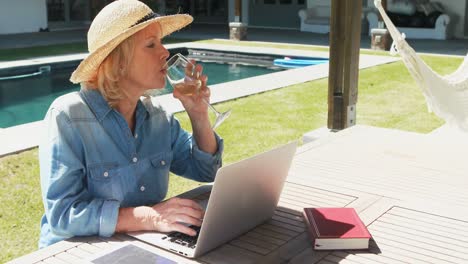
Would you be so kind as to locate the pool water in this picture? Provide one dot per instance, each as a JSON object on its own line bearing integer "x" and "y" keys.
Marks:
{"x": 27, "y": 100}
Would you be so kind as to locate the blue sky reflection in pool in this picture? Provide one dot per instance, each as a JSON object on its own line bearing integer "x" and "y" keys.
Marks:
{"x": 27, "y": 100}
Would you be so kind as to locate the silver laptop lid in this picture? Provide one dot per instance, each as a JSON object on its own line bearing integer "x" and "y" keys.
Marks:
{"x": 244, "y": 195}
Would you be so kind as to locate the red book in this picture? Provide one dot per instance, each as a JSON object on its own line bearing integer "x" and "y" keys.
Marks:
{"x": 336, "y": 228}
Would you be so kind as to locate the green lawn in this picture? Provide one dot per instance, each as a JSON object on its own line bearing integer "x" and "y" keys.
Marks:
{"x": 54, "y": 50}
{"x": 63, "y": 49}
{"x": 388, "y": 97}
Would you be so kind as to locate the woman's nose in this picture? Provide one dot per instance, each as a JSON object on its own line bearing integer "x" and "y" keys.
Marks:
{"x": 165, "y": 53}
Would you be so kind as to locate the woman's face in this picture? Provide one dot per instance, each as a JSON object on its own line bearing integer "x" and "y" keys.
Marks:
{"x": 147, "y": 65}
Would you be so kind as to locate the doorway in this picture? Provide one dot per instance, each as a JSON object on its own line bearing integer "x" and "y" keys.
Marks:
{"x": 72, "y": 14}
{"x": 203, "y": 11}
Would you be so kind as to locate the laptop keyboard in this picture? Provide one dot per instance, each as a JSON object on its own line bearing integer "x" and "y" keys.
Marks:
{"x": 183, "y": 239}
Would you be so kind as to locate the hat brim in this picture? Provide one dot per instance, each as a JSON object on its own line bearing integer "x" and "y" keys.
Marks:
{"x": 88, "y": 67}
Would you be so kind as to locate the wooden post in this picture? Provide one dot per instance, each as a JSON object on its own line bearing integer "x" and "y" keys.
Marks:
{"x": 237, "y": 29}
{"x": 345, "y": 40}
{"x": 384, "y": 5}
{"x": 237, "y": 11}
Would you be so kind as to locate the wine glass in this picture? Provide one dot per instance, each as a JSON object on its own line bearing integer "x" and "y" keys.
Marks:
{"x": 180, "y": 75}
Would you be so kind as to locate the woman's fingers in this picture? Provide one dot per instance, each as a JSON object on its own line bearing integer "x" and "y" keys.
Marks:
{"x": 195, "y": 213}
{"x": 204, "y": 80}
{"x": 174, "y": 213}
{"x": 183, "y": 218}
{"x": 194, "y": 72}
{"x": 189, "y": 69}
{"x": 187, "y": 207}
{"x": 183, "y": 229}
{"x": 187, "y": 203}
{"x": 198, "y": 71}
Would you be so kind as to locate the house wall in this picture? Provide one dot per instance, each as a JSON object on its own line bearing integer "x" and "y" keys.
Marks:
{"x": 21, "y": 16}
{"x": 274, "y": 16}
{"x": 311, "y": 3}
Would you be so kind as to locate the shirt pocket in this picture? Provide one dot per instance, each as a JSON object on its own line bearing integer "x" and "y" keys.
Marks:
{"x": 104, "y": 181}
{"x": 162, "y": 161}
{"x": 158, "y": 180}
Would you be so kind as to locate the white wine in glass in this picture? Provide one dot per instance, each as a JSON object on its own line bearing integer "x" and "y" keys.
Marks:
{"x": 180, "y": 76}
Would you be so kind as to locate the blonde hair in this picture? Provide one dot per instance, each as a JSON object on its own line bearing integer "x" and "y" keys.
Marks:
{"x": 110, "y": 72}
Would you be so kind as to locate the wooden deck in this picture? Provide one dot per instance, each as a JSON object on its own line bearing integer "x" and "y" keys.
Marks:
{"x": 408, "y": 188}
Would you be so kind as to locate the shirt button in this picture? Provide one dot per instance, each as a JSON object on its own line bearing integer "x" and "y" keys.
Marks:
{"x": 142, "y": 188}
{"x": 135, "y": 159}
{"x": 163, "y": 162}
{"x": 106, "y": 174}
{"x": 136, "y": 135}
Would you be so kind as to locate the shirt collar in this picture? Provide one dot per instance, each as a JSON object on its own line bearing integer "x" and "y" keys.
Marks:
{"x": 101, "y": 108}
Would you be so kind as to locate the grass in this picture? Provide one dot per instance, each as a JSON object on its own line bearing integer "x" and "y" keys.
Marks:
{"x": 54, "y": 50}
{"x": 388, "y": 97}
{"x": 80, "y": 47}
{"x": 20, "y": 204}
{"x": 284, "y": 46}
{"x": 33, "y": 52}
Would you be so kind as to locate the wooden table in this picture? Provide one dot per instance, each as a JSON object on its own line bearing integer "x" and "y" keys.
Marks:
{"x": 410, "y": 190}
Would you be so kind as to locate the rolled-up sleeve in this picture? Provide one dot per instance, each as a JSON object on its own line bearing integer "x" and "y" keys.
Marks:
{"x": 70, "y": 210}
{"x": 191, "y": 162}
{"x": 108, "y": 218}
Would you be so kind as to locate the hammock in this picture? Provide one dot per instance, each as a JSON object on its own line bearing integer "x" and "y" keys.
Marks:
{"x": 446, "y": 96}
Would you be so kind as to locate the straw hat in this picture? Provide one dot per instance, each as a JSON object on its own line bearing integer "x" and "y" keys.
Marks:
{"x": 116, "y": 22}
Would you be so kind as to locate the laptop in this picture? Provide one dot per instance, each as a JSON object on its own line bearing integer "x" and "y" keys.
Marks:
{"x": 243, "y": 195}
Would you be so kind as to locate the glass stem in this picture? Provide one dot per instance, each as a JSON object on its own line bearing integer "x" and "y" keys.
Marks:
{"x": 210, "y": 106}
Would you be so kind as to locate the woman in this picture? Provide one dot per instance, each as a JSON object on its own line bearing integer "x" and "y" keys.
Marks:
{"x": 107, "y": 155}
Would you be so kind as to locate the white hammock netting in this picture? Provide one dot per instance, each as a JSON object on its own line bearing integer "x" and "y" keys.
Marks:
{"x": 446, "y": 96}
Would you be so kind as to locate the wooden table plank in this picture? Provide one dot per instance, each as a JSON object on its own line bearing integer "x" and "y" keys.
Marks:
{"x": 290, "y": 249}
{"x": 79, "y": 253}
{"x": 53, "y": 260}
{"x": 229, "y": 254}
{"x": 295, "y": 228}
{"x": 254, "y": 247}
{"x": 410, "y": 190}
{"x": 89, "y": 248}
{"x": 288, "y": 215}
{"x": 308, "y": 255}
{"x": 382, "y": 166}
{"x": 69, "y": 258}
{"x": 454, "y": 231}
{"x": 292, "y": 222}
{"x": 45, "y": 252}
{"x": 259, "y": 241}
{"x": 266, "y": 238}
{"x": 366, "y": 257}
{"x": 100, "y": 243}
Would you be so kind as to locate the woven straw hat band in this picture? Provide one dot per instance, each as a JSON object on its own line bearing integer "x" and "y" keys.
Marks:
{"x": 114, "y": 19}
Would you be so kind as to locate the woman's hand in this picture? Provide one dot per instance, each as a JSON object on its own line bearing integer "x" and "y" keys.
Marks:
{"x": 167, "y": 216}
{"x": 197, "y": 109}
{"x": 170, "y": 214}
{"x": 194, "y": 104}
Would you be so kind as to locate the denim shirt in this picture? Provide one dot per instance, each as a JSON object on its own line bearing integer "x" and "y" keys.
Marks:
{"x": 91, "y": 163}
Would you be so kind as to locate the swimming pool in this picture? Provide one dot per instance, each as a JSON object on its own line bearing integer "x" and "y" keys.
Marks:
{"x": 27, "y": 100}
